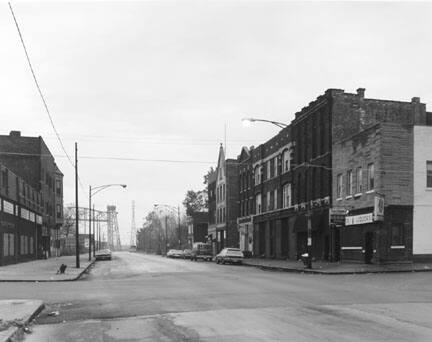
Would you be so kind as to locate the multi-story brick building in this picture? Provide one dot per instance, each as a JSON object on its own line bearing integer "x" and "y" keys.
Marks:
{"x": 20, "y": 219}
{"x": 223, "y": 232}
{"x": 246, "y": 198}
{"x": 381, "y": 152}
{"x": 31, "y": 160}
{"x": 272, "y": 197}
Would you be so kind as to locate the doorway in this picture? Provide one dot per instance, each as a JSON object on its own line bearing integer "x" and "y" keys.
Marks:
{"x": 369, "y": 237}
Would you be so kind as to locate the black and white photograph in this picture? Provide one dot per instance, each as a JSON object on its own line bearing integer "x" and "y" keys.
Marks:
{"x": 232, "y": 170}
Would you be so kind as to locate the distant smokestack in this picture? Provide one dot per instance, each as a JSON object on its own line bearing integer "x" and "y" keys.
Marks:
{"x": 361, "y": 92}
{"x": 15, "y": 133}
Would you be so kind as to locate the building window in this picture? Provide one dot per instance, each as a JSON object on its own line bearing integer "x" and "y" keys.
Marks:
{"x": 258, "y": 204}
{"x": 286, "y": 192}
{"x": 371, "y": 177}
{"x": 359, "y": 180}
{"x": 275, "y": 165}
{"x": 59, "y": 211}
{"x": 269, "y": 169}
{"x": 397, "y": 234}
{"x": 268, "y": 201}
{"x": 8, "y": 244}
{"x": 275, "y": 205}
{"x": 58, "y": 187}
{"x": 339, "y": 186}
{"x": 223, "y": 192}
{"x": 257, "y": 175}
{"x": 286, "y": 160}
{"x": 429, "y": 174}
{"x": 349, "y": 182}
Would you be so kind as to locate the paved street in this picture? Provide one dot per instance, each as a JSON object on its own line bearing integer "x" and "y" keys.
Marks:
{"x": 138, "y": 297}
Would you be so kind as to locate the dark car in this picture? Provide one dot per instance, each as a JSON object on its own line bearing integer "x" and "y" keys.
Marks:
{"x": 103, "y": 254}
{"x": 175, "y": 253}
{"x": 187, "y": 253}
{"x": 230, "y": 255}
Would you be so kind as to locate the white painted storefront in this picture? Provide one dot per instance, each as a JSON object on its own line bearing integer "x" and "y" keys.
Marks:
{"x": 422, "y": 214}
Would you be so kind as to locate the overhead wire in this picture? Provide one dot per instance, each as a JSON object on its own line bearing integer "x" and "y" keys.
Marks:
{"x": 41, "y": 94}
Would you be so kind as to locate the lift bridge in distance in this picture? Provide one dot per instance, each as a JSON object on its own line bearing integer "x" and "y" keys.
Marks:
{"x": 104, "y": 230}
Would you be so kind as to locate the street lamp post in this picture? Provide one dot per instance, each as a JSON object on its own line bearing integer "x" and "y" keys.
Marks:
{"x": 93, "y": 191}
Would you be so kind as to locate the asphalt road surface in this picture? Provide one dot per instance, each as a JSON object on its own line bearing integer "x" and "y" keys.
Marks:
{"x": 137, "y": 297}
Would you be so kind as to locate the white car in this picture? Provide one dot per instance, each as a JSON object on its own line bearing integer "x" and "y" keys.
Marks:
{"x": 230, "y": 255}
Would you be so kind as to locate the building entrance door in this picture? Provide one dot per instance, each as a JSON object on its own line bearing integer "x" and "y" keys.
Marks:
{"x": 369, "y": 237}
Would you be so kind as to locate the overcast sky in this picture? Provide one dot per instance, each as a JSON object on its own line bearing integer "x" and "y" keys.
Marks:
{"x": 160, "y": 80}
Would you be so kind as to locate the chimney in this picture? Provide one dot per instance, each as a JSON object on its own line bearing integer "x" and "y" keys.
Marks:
{"x": 415, "y": 100}
{"x": 361, "y": 92}
{"x": 15, "y": 133}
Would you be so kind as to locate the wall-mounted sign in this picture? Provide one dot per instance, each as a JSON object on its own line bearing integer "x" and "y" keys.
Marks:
{"x": 8, "y": 207}
{"x": 358, "y": 219}
{"x": 38, "y": 219}
{"x": 337, "y": 216}
{"x": 379, "y": 208}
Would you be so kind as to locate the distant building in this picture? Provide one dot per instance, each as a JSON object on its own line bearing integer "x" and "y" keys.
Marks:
{"x": 197, "y": 224}
{"x": 30, "y": 159}
{"x": 21, "y": 209}
{"x": 223, "y": 231}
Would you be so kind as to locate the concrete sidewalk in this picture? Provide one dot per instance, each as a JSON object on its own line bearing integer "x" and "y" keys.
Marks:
{"x": 322, "y": 267}
{"x": 45, "y": 269}
{"x": 15, "y": 314}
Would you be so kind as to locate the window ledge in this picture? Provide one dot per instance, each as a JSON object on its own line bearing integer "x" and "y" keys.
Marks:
{"x": 358, "y": 194}
{"x": 397, "y": 247}
{"x": 339, "y": 199}
{"x": 348, "y": 197}
{"x": 428, "y": 189}
{"x": 370, "y": 191}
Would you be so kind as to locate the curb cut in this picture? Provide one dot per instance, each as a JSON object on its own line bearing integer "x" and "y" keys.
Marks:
{"x": 316, "y": 271}
{"x": 48, "y": 280}
{"x": 18, "y": 332}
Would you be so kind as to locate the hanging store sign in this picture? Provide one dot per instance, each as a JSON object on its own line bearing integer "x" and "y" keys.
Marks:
{"x": 358, "y": 219}
{"x": 8, "y": 207}
{"x": 38, "y": 219}
{"x": 379, "y": 208}
{"x": 337, "y": 216}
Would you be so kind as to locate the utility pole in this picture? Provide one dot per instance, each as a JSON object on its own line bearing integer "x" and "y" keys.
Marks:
{"x": 166, "y": 235}
{"x": 179, "y": 229}
{"x": 94, "y": 232}
{"x": 90, "y": 223}
{"x": 76, "y": 210}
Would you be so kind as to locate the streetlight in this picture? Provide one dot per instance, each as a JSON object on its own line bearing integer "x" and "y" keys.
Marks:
{"x": 93, "y": 191}
{"x": 176, "y": 209}
{"x": 247, "y": 122}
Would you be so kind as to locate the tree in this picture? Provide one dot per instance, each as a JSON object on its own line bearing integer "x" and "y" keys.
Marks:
{"x": 195, "y": 201}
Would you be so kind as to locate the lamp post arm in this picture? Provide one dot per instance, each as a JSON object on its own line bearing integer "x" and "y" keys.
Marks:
{"x": 277, "y": 123}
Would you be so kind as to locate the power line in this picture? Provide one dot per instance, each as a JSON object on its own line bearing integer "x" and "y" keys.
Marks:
{"x": 40, "y": 91}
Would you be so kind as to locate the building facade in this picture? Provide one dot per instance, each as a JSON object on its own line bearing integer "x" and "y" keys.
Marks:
{"x": 272, "y": 197}
{"x": 20, "y": 219}
{"x": 380, "y": 154}
{"x": 30, "y": 159}
{"x": 197, "y": 225}
{"x": 223, "y": 232}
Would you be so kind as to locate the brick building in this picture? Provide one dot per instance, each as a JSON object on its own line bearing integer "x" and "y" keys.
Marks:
{"x": 272, "y": 197}
{"x": 246, "y": 198}
{"x": 223, "y": 231}
{"x": 312, "y": 180}
{"x": 20, "y": 219}
{"x": 380, "y": 147}
{"x": 30, "y": 159}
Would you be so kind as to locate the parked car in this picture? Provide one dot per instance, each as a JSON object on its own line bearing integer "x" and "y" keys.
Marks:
{"x": 230, "y": 255}
{"x": 103, "y": 254}
{"x": 175, "y": 253}
{"x": 201, "y": 250}
{"x": 187, "y": 254}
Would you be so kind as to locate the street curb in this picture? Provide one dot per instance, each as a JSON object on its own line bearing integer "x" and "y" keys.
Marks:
{"x": 19, "y": 330}
{"x": 48, "y": 280}
{"x": 312, "y": 271}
